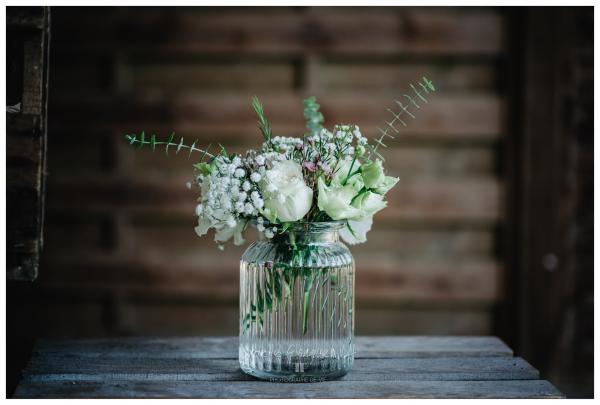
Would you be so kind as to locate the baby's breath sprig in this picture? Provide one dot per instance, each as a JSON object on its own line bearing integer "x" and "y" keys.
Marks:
{"x": 424, "y": 87}
{"x": 153, "y": 143}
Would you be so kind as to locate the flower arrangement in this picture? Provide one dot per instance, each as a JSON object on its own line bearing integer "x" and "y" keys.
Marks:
{"x": 327, "y": 175}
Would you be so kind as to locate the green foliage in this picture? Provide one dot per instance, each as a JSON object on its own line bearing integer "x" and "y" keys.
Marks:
{"x": 314, "y": 118}
{"x": 179, "y": 146}
{"x": 263, "y": 124}
{"x": 424, "y": 87}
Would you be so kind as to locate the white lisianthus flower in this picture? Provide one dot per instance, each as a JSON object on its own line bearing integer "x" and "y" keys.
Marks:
{"x": 359, "y": 231}
{"x": 225, "y": 232}
{"x": 336, "y": 201}
{"x": 348, "y": 172}
{"x": 375, "y": 179}
{"x": 293, "y": 198}
{"x": 369, "y": 203}
{"x": 372, "y": 174}
{"x": 386, "y": 185}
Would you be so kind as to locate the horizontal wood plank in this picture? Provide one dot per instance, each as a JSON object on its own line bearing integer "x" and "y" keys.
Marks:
{"x": 389, "y": 76}
{"x": 72, "y": 367}
{"x": 83, "y": 312}
{"x": 259, "y": 389}
{"x": 226, "y": 347}
{"x": 217, "y": 276}
{"x": 227, "y": 118}
{"x": 222, "y": 76}
{"x": 382, "y": 30}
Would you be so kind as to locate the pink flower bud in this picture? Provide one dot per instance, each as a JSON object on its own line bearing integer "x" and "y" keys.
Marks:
{"x": 310, "y": 166}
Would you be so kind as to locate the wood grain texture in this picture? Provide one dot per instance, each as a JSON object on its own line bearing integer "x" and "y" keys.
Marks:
{"x": 226, "y": 347}
{"x": 385, "y": 367}
{"x": 329, "y": 389}
{"x": 228, "y": 115}
{"x": 288, "y": 31}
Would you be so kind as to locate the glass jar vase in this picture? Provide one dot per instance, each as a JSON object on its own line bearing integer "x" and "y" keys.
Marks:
{"x": 297, "y": 305}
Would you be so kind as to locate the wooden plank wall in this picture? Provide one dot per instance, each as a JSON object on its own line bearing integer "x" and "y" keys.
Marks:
{"x": 26, "y": 100}
{"x": 121, "y": 254}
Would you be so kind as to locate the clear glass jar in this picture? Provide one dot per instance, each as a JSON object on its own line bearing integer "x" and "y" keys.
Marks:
{"x": 297, "y": 305}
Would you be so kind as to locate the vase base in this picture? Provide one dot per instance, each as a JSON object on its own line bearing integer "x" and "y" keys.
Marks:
{"x": 305, "y": 377}
{"x": 295, "y": 368}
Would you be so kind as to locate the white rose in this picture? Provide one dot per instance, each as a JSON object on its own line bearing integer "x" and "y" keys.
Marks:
{"x": 293, "y": 198}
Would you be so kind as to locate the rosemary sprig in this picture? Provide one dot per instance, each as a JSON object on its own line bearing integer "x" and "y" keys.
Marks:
{"x": 133, "y": 139}
{"x": 423, "y": 88}
{"x": 263, "y": 124}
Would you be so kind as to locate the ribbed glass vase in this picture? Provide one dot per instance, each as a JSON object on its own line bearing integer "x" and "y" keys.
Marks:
{"x": 297, "y": 305}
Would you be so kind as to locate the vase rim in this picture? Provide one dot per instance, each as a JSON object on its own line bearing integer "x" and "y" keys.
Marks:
{"x": 304, "y": 226}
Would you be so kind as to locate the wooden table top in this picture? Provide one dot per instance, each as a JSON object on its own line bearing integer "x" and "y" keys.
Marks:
{"x": 207, "y": 367}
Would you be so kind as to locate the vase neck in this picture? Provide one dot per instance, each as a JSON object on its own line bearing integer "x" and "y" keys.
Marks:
{"x": 307, "y": 233}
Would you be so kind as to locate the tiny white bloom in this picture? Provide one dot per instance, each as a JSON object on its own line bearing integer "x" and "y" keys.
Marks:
{"x": 255, "y": 196}
{"x": 255, "y": 177}
{"x": 248, "y": 208}
{"x": 260, "y": 160}
{"x": 242, "y": 196}
{"x": 199, "y": 209}
{"x": 188, "y": 185}
{"x": 246, "y": 186}
{"x": 239, "y": 173}
{"x": 239, "y": 206}
{"x": 269, "y": 234}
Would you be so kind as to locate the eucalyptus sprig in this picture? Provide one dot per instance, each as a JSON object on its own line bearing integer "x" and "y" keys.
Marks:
{"x": 153, "y": 143}
{"x": 263, "y": 124}
{"x": 424, "y": 87}
{"x": 314, "y": 118}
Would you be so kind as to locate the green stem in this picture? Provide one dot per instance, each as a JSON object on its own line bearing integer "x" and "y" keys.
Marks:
{"x": 305, "y": 313}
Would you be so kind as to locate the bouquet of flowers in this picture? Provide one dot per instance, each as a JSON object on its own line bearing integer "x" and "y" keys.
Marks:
{"x": 326, "y": 175}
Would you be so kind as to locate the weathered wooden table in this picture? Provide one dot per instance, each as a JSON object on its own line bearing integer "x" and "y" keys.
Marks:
{"x": 385, "y": 367}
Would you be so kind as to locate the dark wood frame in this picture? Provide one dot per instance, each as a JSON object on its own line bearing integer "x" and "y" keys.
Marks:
{"x": 28, "y": 35}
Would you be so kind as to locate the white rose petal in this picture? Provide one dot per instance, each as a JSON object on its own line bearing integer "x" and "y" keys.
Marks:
{"x": 359, "y": 231}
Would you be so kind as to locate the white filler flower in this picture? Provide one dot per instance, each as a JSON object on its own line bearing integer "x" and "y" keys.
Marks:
{"x": 288, "y": 198}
